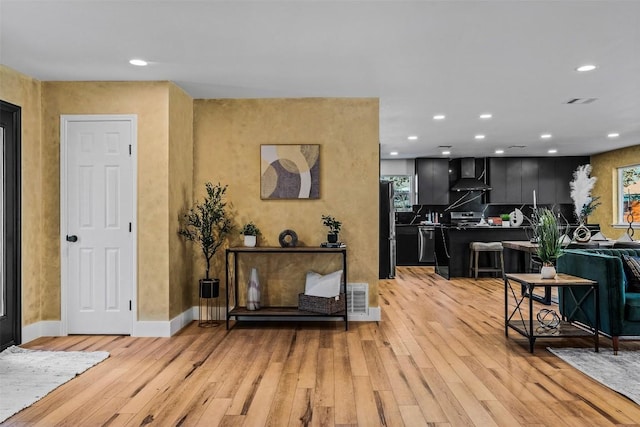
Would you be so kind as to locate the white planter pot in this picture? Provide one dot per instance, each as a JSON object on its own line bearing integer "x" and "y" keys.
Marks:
{"x": 250, "y": 241}
{"x": 506, "y": 223}
{"x": 548, "y": 272}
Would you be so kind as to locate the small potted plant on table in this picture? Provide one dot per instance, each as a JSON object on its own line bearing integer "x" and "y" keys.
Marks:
{"x": 250, "y": 232}
{"x": 334, "y": 227}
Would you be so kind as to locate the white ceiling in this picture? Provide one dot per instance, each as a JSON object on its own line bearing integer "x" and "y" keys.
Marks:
{"x": 515, "y": 59}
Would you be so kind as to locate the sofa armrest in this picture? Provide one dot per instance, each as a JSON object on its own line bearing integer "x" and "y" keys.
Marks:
{"x": 607, "y": 271}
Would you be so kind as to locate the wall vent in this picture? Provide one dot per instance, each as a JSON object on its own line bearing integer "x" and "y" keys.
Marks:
{"x": 358, "y": 298}
{"x": 581, "y": 100}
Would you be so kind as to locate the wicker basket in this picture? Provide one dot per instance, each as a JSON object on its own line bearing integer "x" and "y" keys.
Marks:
{"x": 321, "y": 304}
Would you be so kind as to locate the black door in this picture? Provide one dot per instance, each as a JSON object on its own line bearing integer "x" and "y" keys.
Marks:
{"x": 10, "y": 286}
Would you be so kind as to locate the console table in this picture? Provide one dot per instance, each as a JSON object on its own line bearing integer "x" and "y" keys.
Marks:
{"x": 231, "y": 290}
{"x": 524, "y": 323}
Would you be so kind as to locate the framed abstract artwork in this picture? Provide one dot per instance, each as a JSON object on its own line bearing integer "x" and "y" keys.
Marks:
{"x": 290, "y": 171}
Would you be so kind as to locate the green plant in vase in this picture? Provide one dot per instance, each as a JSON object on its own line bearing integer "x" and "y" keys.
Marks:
{"x": 208, "y": 224}
{"x": 250, "y": 232}
{"x": 334, "y": 227}
{"x": 548, "y": 234}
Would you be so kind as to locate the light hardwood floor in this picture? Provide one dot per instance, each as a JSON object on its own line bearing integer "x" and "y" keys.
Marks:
{"x": 438, "y": 358}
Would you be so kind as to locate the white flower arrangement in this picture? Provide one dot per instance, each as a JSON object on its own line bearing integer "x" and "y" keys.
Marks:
{"x": 581, "y": 187}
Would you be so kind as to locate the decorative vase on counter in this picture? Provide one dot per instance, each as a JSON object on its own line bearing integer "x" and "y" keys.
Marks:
{"x": 253, "y": 291}
{"x": 548, "y": 272}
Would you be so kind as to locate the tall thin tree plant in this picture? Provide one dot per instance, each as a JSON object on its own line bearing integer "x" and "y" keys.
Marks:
{"x": 208, "y": 223}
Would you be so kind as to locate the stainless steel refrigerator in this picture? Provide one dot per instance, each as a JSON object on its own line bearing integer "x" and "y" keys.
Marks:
{"x": 387, "y": 232}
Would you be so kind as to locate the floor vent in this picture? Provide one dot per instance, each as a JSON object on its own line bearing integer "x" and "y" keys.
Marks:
{"x": 358, "y": 298}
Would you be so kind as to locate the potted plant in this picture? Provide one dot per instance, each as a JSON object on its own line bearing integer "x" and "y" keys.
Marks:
{"x": 250, "y": 233}
{"x": 208, "y": 224}
{"x": 334, "y": 227}
{"x": 506, "y": 220}
{"x": 547, "y": 233}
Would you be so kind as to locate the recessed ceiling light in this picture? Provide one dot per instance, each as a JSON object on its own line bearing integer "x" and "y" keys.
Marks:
{"x": 499, "y": 151}
{"x": 479, "y": 137}
{"x": 446, "y": 153}
{"x": 613, "y": 135}
{"x": 486, "y": 115}
{"x": 545, "y": 136}
{"x": 586, "y": 67}
{"x": 138, "y": 62}
{"x": 552, "y": 151}
{"x": 412, "y": 138}
{"x": 439, "y": 117}
{"x": 393, "y": 153}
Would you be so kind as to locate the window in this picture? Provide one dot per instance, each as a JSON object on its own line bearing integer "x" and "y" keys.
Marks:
{"x": 402, "y": 200}
{"x": 629, "y": 194}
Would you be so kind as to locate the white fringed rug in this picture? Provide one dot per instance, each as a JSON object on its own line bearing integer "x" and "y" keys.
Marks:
{"x": 26, "y": 376}
{"x": 620, "y": 372}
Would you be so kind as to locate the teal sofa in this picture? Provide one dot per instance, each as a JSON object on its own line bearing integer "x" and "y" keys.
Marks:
{"x": 619, "y": 309}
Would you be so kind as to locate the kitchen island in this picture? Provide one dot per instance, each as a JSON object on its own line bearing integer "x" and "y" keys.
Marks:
{"x": 452, "y": 246}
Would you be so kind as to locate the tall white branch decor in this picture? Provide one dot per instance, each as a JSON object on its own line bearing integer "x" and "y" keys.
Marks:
{"x": 584, "y": 204}
{"x": 581, "y": 187}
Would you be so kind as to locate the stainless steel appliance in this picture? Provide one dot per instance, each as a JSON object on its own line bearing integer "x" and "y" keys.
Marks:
{"x": 387, "y": 250}
{"x": 461, "y": 219}
{"x": 426, "y": 244}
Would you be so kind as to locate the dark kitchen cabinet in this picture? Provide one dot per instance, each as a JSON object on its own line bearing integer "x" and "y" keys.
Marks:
{"x": 433, "y": 181}
{"x": 498, "y": 180}
{"x": 513, "y": 179}
{"x": 547, "y": 181}
{"x": 565, "y": 168}
{"x": 529, "y": 181}
{"x": 407, "y": 245}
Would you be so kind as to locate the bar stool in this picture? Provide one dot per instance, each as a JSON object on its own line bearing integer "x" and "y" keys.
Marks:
{"x": 476, "y": 248}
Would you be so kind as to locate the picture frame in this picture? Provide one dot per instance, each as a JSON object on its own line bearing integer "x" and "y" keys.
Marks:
{"x": 289, "y": 171}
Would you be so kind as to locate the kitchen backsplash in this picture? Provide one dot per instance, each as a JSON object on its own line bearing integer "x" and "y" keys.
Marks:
{"x": 438, "y": 214}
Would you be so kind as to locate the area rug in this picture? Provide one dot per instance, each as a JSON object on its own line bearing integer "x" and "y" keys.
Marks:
{"x": 620, "y": 372}
{"x": 26, "y": 376}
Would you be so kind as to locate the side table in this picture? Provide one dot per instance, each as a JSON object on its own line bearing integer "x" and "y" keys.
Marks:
{"x": 523, "y": 322}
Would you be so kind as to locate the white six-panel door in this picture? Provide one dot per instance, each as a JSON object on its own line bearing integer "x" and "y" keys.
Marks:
{"x": 97, "y": 223}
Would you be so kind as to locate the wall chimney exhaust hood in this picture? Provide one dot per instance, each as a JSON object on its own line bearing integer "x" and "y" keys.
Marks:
{"x": 468, "y": 180}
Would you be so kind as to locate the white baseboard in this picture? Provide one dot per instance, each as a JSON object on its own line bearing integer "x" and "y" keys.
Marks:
{"x": 162, "y": 328}
{"x": 45, "y": 328}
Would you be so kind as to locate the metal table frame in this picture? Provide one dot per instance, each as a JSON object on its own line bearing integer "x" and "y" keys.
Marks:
{"x": 525, "y": 326}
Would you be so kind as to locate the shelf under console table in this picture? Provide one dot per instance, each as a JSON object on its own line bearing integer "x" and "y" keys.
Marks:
{"x": 231, "y": 291}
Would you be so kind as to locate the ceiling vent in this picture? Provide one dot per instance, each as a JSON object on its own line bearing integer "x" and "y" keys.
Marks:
{"x": 517, "y": 146}
{"x": 581, "y": 100}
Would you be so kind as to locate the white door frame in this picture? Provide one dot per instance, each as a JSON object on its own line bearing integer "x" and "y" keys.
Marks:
{"x": 64, "y": 120}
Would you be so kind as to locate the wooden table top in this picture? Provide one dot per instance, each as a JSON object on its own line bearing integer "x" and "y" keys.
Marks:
{"x": 527, "y": 246}
{"x": 520, "y": 245}
{"x": 559, "y": 280}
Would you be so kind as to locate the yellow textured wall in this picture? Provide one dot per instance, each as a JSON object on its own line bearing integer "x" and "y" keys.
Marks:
{"x": 227, "y": 139}
{"x": 180, "y": 195}
{"x": 149, "y": 101}
{"x": 603, "y": 166}
{"x": 26, "y": 92}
